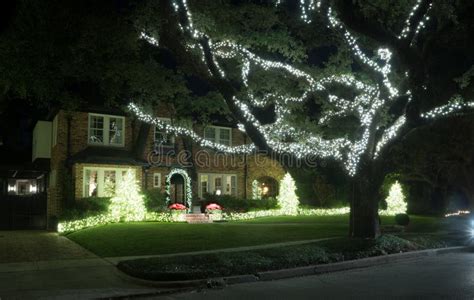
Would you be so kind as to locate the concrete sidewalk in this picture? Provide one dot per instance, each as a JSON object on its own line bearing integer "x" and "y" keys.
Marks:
{"x": 40, "y": 264}
{"x": 65, "y": 279}
{"x": 38, "y": 245}
{"x": 116, "y": 260}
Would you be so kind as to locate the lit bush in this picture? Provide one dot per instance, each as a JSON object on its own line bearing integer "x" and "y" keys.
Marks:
{"x": 127, "y": 204}
{"x": 287, "y": 198}
{"x": 396, "y": 203}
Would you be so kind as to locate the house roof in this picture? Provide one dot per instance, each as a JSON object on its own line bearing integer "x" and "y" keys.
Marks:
{"x": 27, "y": 170}
{"x": 106, "y": 155}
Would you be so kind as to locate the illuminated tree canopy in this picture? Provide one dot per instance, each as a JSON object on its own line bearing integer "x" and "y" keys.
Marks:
{"x": 343, "y": 95}
{"x": 384, "y": 88}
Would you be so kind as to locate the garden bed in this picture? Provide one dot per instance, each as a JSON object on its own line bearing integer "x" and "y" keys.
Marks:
{"x": 250, "y": 262}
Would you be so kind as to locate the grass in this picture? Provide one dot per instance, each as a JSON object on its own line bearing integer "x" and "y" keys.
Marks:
{"x": 251, "y": 262}
{"x": 127, "y": 239}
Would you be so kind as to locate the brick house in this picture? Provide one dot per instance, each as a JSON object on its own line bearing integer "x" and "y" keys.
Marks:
{"x": 91, "y": 150}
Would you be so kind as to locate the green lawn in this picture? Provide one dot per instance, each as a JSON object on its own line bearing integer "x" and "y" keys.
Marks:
{"x": 163, "y": 238}
{"x": 250, "y": 262}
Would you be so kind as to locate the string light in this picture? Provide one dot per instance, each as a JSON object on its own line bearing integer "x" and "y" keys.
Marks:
{"x": 396, "y": 203}
{"x": 389, "y": 134}
{"x": 456, "y": 104}
{"x": 406, "y": 29}
{"x": 280, "y": 135}
{"x": 458, "y": 213}
{"x": 287, "y": 198}
{"x": 127, "y": 204}
{"x": 187, "y": 182}
{"x": 255, "y": 190}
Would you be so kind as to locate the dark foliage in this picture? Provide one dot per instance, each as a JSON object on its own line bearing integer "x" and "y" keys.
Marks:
{"x": 155, "y": 200}
{"x": 85, "y": 207}
{"x": 402, "y": 219}
{"x": 234, "y": 204}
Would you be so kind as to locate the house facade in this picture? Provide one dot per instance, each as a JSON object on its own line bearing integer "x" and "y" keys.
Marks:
{"x": 91, "y": 150}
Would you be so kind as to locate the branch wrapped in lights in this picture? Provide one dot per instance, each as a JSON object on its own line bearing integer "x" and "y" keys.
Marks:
{"x": 280, "y": 136}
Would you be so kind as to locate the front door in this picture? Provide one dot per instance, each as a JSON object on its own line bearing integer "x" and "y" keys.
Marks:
{"x": 177, "y": 189}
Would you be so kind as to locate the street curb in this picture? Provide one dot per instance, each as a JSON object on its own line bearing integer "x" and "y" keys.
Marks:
{"x": 185, "y": 285}
{"x": 353, "y": 264}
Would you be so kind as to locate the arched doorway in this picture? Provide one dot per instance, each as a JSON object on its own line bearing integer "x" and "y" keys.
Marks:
{"x": 265, "y": 187}
{"x": 178, "y": 188}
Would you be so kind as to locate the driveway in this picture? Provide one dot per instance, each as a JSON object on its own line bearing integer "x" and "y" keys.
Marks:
{"x": 40, "y": 264}
{"x": 32, "y": 246}
{"x": 447, "y": 276}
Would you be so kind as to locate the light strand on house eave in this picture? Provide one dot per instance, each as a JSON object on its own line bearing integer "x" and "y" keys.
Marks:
{"x": 183, "y": 131}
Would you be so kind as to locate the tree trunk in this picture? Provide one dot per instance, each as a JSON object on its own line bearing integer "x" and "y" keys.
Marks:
{"x": 364, "y": 217}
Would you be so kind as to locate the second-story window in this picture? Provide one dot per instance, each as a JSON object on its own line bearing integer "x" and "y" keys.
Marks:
{"x": 221, "y": 135}
{"x": 106, "y": 130}
{"x": 162, "y": 137}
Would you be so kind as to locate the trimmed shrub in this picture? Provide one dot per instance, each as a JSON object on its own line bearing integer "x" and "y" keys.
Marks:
{"x": 155, "y": 200}
{"x": 402, "y": 219}
{"x": 233, "y": 204}
{"x": 85, "y": 207}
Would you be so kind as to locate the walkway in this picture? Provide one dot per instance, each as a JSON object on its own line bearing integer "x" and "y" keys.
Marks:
{"x": 39, "y": 264}
{"x": 31, "y": 246}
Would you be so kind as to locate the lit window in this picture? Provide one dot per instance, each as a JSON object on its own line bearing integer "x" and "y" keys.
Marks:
{"x": 102, "y": 182}
{"x": 156, "y": 180}
{"x": 210, "y": 133}
{"x": 162, "y": 138}
{"x": 204, "y": 179}
{"x": 221, "y": 135}
{"x": 219, "y": 184}
{"x": 106, "y": 130}
{"x": 224, "y": 136}
{"x": 116, "y": 131}
{"x": 109, "y": 183}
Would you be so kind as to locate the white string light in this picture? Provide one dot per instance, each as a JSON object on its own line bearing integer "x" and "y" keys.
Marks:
{"x": 282, "y": 137}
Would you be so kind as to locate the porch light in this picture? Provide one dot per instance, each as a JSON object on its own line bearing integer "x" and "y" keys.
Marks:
{"x": 12, "y": 188}
{"x": 33, "y": 188}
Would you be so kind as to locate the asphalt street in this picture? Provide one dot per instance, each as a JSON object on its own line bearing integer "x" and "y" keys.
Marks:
{"x": 447, "y": 276}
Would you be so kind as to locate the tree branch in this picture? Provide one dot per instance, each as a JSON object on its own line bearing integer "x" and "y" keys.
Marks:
{"x": 415, "y": 20}
{"x": 172, "y": 38}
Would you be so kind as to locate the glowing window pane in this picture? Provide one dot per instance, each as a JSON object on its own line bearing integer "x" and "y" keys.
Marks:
{"x": 96, "y": 130}
{"x": 116, "y": 131}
